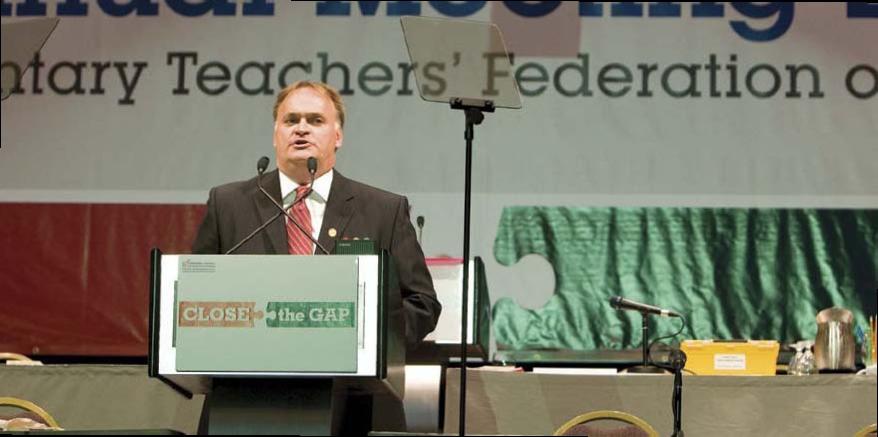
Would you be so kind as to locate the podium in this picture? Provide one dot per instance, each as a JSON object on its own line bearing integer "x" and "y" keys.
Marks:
{"x": 278, "y": 342}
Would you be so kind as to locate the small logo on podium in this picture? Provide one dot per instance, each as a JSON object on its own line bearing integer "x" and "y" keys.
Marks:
{"x": 189, "y": 266}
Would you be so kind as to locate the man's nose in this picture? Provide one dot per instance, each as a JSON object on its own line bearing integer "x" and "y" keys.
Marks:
{"x": 301, "y": 126}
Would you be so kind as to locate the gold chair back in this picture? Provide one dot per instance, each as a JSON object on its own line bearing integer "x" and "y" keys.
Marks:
{"x": 868, "y": 431}
{"x": 627, "y": 425}
{"x": 32, "y": 407}
{"x": 12, "y": 356}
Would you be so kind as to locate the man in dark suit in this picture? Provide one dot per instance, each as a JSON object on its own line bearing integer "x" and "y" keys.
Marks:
{"x": 309, "y": 118}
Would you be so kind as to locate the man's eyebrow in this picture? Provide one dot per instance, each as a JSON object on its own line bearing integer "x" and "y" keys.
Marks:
{"x": 300, "y": 114}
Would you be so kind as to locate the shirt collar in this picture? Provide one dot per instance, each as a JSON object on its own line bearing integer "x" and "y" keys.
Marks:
{"x": 320, "y": 189}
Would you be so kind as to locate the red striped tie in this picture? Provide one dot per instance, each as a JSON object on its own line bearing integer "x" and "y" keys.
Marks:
{"x": 297, "y": 242}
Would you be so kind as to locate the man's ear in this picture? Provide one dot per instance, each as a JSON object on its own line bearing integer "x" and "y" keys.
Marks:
{"x": 339, "y": 138}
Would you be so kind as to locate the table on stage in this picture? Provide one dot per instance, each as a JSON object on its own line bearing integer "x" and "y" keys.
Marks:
{"x": 102, "y": 397}
{"x": 530, "y": 403}
{"x": 123, "y": 397}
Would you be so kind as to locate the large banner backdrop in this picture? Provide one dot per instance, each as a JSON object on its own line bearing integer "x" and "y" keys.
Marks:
{"x": 717, "y": 158}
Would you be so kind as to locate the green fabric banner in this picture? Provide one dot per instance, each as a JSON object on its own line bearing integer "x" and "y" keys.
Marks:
{"x": 734, "y": 273}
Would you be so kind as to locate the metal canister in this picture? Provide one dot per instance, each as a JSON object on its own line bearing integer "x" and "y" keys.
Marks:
{"x": 834, "y": 347}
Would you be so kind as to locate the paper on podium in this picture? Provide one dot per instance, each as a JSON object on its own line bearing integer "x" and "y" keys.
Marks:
{"x": 447, "y": 274}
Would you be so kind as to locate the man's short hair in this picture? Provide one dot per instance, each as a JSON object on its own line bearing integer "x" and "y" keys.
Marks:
{"x": 327, "y": 90}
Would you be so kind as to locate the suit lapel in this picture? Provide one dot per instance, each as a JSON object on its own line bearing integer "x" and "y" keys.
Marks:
{"x": 276, "y": 231}
{"x": 339, "y": 209}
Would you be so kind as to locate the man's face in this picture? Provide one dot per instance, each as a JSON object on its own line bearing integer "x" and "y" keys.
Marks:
{"x": 307, "y": 125}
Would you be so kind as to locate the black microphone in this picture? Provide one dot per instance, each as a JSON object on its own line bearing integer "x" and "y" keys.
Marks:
{"x": 312, "y": 170}
{"x": 677, "y": 358}
{"x": 262, "y": 165}
{"x": 420, "y": 228}
{"x": 285, "y": 211}
{"x": 620, "y": 303}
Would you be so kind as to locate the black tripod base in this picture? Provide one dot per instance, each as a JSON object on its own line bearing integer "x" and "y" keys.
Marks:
{"x": 645, "y": 369}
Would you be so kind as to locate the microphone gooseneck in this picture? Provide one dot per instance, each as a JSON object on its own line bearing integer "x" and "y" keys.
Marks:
{"x": 286, "y": 212}
{"x": 261, "y": 165}
{"x": 620, "y": 303}
{"x": 312, "y": 170}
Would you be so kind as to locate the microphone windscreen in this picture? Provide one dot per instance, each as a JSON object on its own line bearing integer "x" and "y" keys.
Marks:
{"x": 677, "y": 358}
{"x": 262, "y": 164}
{"x": 312, "y": 165}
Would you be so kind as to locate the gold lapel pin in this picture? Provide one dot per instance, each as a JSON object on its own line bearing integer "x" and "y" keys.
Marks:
{"x": 332, "y": 232}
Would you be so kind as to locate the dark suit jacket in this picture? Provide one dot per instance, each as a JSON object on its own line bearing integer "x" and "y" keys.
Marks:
{"x": 353, "y": 210}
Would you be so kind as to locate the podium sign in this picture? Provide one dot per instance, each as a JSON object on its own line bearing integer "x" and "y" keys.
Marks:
{"x": 271, "y": 316}
{"x": 299, "y": 316}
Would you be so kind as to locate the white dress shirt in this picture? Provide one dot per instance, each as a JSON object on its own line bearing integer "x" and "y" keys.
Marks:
{"x": 316, "y": 200}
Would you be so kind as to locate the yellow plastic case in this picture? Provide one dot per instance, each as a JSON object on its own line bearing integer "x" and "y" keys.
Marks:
{"x": 750, "y": 357}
